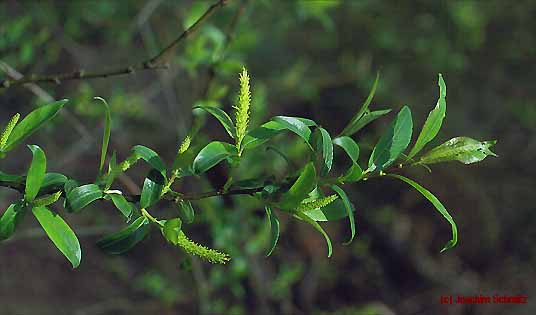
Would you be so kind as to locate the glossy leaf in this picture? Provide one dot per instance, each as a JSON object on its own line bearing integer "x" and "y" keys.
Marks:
{"x": 462, "y": 149}
{"x": 5, "y": 177}
{"x": 354, "y": 174}
{"x": 349, "y": 210}
{"x": 80, "y": 197}
{"x": 60, "y": 234}
{"x": 186, "y": 211}
{"x": 295, "y": 125}
{"x": 393, "y": 142}
{"x": 437, "y": 204}
{"x": 222, "y": 117}
{"x": 327, "y": 152}
{"x": 122, "y": 241}
{"x": 367, "y": 118}
{"x": 171, "y": 230}
{"x": 332, "y": 212}
{"x": 352, "y": 128}
{"x": 107, "y": 131}
{"x": 305, "y": 183}
{"x": 152, "y": 189}
{"x": 151, "y": 157}
{"x": 54, "y": 180}
{"x": 125, "y": 207}
{"x": 212, "y": 154}
{"x": 317, "y": 226}
{"x": 433, "y": 122}
{"x": 349, "y": 146}
{"x": 10, "y": 219}
{"x": 274, "y": 229}
{"x": 32, "y": 122}
{"x": 36, "y": 173}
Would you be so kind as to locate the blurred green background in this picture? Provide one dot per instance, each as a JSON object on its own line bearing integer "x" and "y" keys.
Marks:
{"x": 314, "y": 59}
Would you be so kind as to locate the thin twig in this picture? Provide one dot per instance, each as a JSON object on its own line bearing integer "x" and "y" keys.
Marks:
{"x": 159, "y": 61}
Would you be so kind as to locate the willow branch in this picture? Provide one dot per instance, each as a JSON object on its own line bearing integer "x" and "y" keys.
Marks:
{"x": 159, "y": 61}
{"x": 20, "y": 186}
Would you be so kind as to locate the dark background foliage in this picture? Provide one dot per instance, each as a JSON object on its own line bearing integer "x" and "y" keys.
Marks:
{"x": 314, "y": 59}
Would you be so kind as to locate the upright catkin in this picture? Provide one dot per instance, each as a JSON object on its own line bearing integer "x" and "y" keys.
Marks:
{"x": 242, "y": 110}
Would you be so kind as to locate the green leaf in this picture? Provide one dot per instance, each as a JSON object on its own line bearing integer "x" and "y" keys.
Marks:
{"x": 270, "y": 129}
{"x": 351, "y": 128}
{"x": 366, "y": 119}
{"x": 295, "y": 125}
{"x": 462, "y": 149}
{"x": 305, "y": 183}
{"x": 437, "y": 204}
{"x": 186, "y": 211}
{"x": 10, "y": 219}
{"x": 393, "y": 142}
{"x": 433, "y": 122}
{"x": 171, "y": 230}
{"x": 36, "y": 173}
{"x": 80, "y": 197}
{"x": 354, "y": 174}
{"x": 349, "y": 146}
{"x": 107, "y": 130}
{"x": 47, "y": 200}
{"x": 332, "y": 212}
{"x": 222, "y": 117}
{"x": 212, "y": 154}
{"x": 349, "y": 210}
{"x": 5, "y": 177}
{"x": 32, "y": 122}
{"x": 125, "y": 207}
{"x": 152, "y": 189}
{"x": 54, "y": 180}
{"x": 60, "y": 234}
{"x": 122, "y": 241}
{"x": 151, "y": 157}
{"x": 317, "y": 226}
{"x": 327, "y": 151}
{"x": 274, "y": 229}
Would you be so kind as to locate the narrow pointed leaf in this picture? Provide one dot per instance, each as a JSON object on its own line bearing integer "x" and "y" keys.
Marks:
{"x": 80, "y": 197}
{"x": 107, "y": 131}
{"x": 125, "y": 207}
{"x": 393, "y": 142}
{"x": 295, "y": 125}
{"x": 433, "y": 122}
{"x": 352, "y": 126}
{"x": 36, "y": 173}
{"x": 305, "y": 183}
{"x": 366, "y": 119}
{"x": 462, "y": 149}
{"x": 151, "y": 157}
{"x": 274, "y": 229}
{"x": 60, "y": 234}
{"x": 186, "y": 211}
{"x": 10, "y": 219}
{"x": 332, "y": 212}
{"x": 222, "y": 117}
{"x": 212, "y": 154}
{"x": 317, "y": 226}
{"x": 54, "y": 180}
{"x": 349, "y": 210}
{"x": 172, "y": 229}
{"x": 5, "y": 177}
{"x": 152, "y": 189}
{"x": 327, "y": 152}
{"x": 32, "y": 122}
{"x": 122, "y": 241}
{"x": 349, "y": 146}
{"x": 437, "y": 204}
{"x": 354, "y": 174}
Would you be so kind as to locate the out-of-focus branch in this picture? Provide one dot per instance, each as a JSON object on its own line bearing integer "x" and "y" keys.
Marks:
{"x": 159, "y": 61}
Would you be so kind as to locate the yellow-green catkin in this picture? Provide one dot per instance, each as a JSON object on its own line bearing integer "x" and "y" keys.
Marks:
{"x": 7, "y": 131}
{"x": 242, "y": 109}
{"x": 318, "y": 203}
{"x": 184, "y": 145}
{"x": 210, "y": 255}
